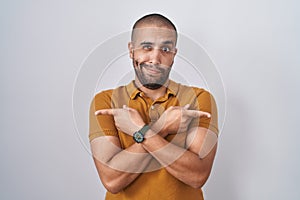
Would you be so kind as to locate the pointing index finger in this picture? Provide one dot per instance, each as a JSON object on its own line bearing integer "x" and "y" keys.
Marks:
{"x": 105, "y": 112}
{"x": 197, "y": 113}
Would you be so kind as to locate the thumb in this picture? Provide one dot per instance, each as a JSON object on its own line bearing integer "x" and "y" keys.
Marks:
{"x": 127, "y": 108}
{"x": 186, "y": 106}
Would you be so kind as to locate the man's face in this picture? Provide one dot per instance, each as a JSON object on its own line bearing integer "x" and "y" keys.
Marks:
{"x": 152, "y": 52}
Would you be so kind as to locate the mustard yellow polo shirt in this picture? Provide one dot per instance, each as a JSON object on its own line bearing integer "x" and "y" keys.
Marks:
{"x": 158, "y": 184}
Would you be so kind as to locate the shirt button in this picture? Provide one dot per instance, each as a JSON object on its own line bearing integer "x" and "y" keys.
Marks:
{"x": 152, "y": 107}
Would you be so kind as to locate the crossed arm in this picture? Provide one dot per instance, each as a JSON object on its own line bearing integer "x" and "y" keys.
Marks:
{"x": 118, "y": 167}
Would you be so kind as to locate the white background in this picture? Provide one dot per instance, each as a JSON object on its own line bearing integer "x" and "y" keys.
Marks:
{"x": 255, "y": 45}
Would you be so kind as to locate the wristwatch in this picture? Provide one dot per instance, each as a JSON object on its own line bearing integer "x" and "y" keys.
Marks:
{"x": 138, "y": 136}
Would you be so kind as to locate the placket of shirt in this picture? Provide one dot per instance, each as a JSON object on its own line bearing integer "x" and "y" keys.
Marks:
{"x": 155, "y": 108}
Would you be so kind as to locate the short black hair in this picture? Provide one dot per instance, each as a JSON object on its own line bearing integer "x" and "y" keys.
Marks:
{"x": 155, "y": 19}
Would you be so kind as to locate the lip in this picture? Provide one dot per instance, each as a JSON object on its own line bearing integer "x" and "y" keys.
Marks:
{"x": 153, "y": 71}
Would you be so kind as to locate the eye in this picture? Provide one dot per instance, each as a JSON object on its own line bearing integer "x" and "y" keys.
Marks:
{"x": 165, "y": 49}
{"x": 147, "y": 47}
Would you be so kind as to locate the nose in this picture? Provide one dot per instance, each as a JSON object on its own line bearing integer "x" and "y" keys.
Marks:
{"x": 155, "y": 56}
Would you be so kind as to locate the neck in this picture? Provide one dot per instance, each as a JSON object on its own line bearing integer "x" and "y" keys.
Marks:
{"x": 153, "y": 94}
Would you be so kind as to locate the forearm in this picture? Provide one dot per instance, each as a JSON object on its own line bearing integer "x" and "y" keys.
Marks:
{"x": 117, "y": 168}
{"x": 181, "y": 163}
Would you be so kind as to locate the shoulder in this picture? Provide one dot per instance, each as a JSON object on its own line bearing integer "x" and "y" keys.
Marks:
{"x": 202, "y": 93}
{"x": 204, "y": 97}
{"x": 108, "y": 94}
{"x": 101, "y": 100}
{"x": 111, "y": 98}
{"x": 105, "y": 94}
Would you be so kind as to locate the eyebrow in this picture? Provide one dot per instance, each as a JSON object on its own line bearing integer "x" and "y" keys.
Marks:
{"x": 151, "y": 43}
{"x": 168, "y": 42}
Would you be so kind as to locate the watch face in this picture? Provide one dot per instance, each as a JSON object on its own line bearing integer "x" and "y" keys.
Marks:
{"x": 138, "y": 137}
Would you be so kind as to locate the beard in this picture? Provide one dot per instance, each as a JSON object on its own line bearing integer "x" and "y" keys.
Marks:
{"x": 152, "y": 81}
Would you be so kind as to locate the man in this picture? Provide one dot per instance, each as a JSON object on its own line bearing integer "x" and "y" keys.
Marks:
{"x": 153, "y": 138}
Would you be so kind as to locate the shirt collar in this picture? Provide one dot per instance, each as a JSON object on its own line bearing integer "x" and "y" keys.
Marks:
{"x": 133, "y": 91}
{"x": 172, "y": 88}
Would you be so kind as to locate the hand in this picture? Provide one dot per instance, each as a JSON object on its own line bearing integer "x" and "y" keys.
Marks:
{"x": 126, "y": 119}
{"x": 176, "y": 119}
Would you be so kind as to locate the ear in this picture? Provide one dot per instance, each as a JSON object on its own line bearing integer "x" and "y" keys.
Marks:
{"x": 130, "y": 49}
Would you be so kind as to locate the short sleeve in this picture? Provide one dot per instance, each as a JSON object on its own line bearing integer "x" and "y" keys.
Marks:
{"x": 205, "y": 102}
{"x": 101, "y": 125}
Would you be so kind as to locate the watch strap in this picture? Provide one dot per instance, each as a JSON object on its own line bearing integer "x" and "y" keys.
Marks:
{"x": 144, "y": 129}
